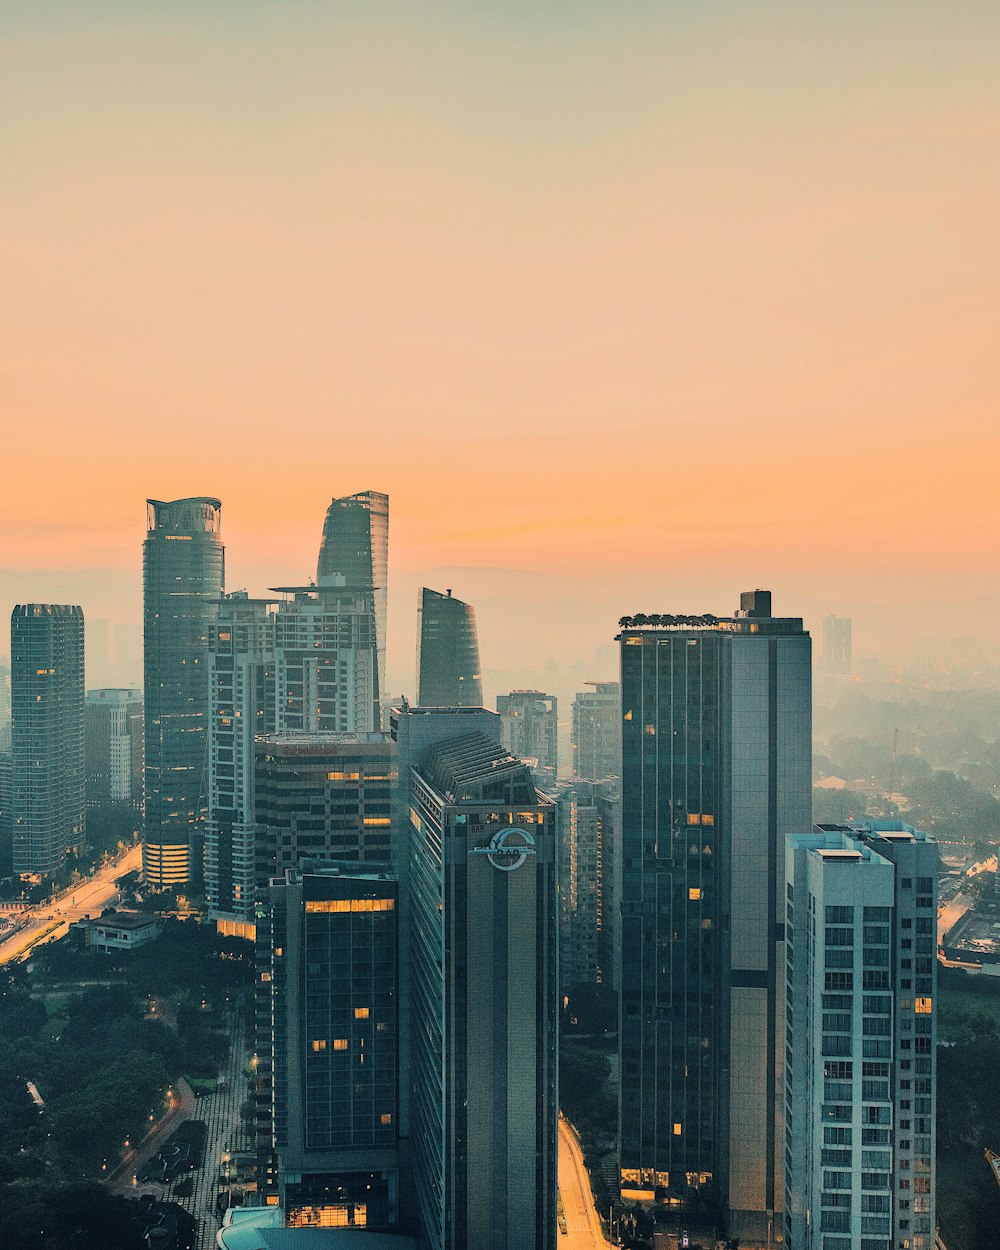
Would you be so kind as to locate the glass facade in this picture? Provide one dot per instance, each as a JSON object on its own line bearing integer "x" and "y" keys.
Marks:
{"x": 47, "y": 735}
{"x": 595, "y": 736}
{"x": 448, "y": 672}
{"x": 183, "y": 579}
{"x": 355, "y": 548}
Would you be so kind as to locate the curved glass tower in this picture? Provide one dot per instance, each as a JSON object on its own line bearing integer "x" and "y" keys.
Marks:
{"x": 448, "y": 657}
{"x": 183, "y": 578}
{"x": 355, "y": 548}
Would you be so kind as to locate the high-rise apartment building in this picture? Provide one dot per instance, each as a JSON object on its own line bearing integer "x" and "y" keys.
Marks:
{"x": 482, "y": 937}
{"x": 836, "y": 644}
{"x": 47, "y": 736}
{"x": 529, "y": 723}
{"x": 326, "y": 663}
{"x": 585, "y": 812}
{"x": 860, "y": 1089}
{"x": 113, "y": 737}
{"x": 241, "y": 662}
{"x": 595, "y": 734}
{"x": 355, "y": 553}
{"x": 332, "y": 1045}
{"x": 448, "y": 670}
{"x": 183, "y": 579}
{"x": 716, "y": 773}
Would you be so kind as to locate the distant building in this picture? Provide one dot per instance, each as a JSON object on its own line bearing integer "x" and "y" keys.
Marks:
{"x": 595, "y": 735}
{"x": 585, "y": 813}
{"x": 113, "y": 735}
{"x": 836, "y": 644}
{"x": 6, "y": 820}
{"x": 861, "y": 908}
{"x": 355, "y": 553}
{"x": 4, "y": 706}
{"x": 121, "y": 931}
{"x": 47, "y": 738}
{"x": 241, "y": 664}
{"x": 716, "y": 772}
{"x": 333, "y": 995}
{"x": 483, "y": 942}
{"x": 183, "y": 579}
{"x": 448, "y": 669}
{"x": 530, "y": 730}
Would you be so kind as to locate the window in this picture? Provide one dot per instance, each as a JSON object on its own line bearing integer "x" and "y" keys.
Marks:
{"x": 361, "y": 1013}
{"x": 340, "y": 1043}
{"x": 319, "y": 1043}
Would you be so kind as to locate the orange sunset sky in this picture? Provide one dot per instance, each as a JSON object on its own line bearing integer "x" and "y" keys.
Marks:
{"x": 651, "y": 295}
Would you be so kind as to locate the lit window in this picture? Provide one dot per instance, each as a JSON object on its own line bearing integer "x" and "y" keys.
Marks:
{"x": 319, "y": 1043}
{"x": 340, "y": 1043}
{"x": 677, "y": 1129}
{"x": 922, "y": 1006}
{"x": 708, "y": 820}
{"x": 361, "y": 1013}
{"x": 694, "y": 893}
{"x": 385, "y": 1117}
{"x": 694, "y": 818}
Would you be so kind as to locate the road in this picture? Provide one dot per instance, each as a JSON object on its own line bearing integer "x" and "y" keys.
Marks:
{"x": 51, "y": 919}
{"x": 183, "y": 1106}
{"x": 583, "y": 1228}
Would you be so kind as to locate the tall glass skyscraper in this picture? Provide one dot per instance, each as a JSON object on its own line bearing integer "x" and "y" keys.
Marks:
{"x": 355, "y": 548}
{"x": 47, "y": 701}
{"x": 448, "y": 672}
{"x": 716, "y": 772}
{"x": 183, "y": 580}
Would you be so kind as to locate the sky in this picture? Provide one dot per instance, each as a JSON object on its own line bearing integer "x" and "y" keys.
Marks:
{"x": 633, "y": 298}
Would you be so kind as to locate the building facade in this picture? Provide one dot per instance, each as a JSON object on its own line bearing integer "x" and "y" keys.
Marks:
{"x": 448, "y": 669}
{"x": 482, "y": 938}
{"x": 48, "y": 774}
{"x": 113, "y": 736}
{"x": 837, "y": 644}
{"x": 183, "y": 580}
{"x": 716, "y": 772}
{"x": 595, "y": 735}
{"x": 355, "y": 553}
{"x": 585, "y": 812}
{"x": 241, "y": 662}
{"x": 860, "y": 1087}
{"x": 333, "y": 1047}
{"x": 4, "y": 706}
{"x": 529, "y": 723}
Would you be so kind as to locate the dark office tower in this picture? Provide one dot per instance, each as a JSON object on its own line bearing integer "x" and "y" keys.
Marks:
{"x": 183, "y": 578}
{"x": 530, "y": 730}
{"x": 585, "y": 813}
{"x": 241, "y": 706}
{"x": 48, "y": 772}
{"x": 595, "y": 736}
{"x": 861, "y": 912}
{"x": 355, "y": 553}
{"x": 333, "y": 1046}
{"x": 836, "y": 644}
{"x": 716, "y": 770}
{"x": 322, "y": 797}
{"x": 448, "y": 673}
{"x": 113, "y": 733}
{"x": 483, "y": 945}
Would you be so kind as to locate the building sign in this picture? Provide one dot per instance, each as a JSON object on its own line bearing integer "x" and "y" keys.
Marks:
{"x": 508, "y": 848}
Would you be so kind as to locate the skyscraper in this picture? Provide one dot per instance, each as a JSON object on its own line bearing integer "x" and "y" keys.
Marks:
{"x": 586, "y": 883}
{"x": 529, "y": 723}
{"x": 861, "y": 912}
{"x": 333, "y": 1046}
{"x": 183, "y": 579}
{"x": 837, "y": 644}
{"x": 448, "y": 671}
{"x": 355, "y": 549}
{"x": 482, "y": 941}
{"x": 4, "y": 706}
{"x": 241, "y": 706}
{"x": 716, "y": 772}
{"x": 595, "y": 736}
{"x": 48, "y": 771}
{"x": 113, "y": 733}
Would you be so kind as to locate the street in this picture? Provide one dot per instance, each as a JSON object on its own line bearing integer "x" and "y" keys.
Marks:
{"x": 583, "y": 1228}
{"x": 51, "y": 919}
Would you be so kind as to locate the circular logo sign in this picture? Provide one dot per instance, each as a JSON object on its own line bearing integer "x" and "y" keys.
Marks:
{"x": 508, "y": 848}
